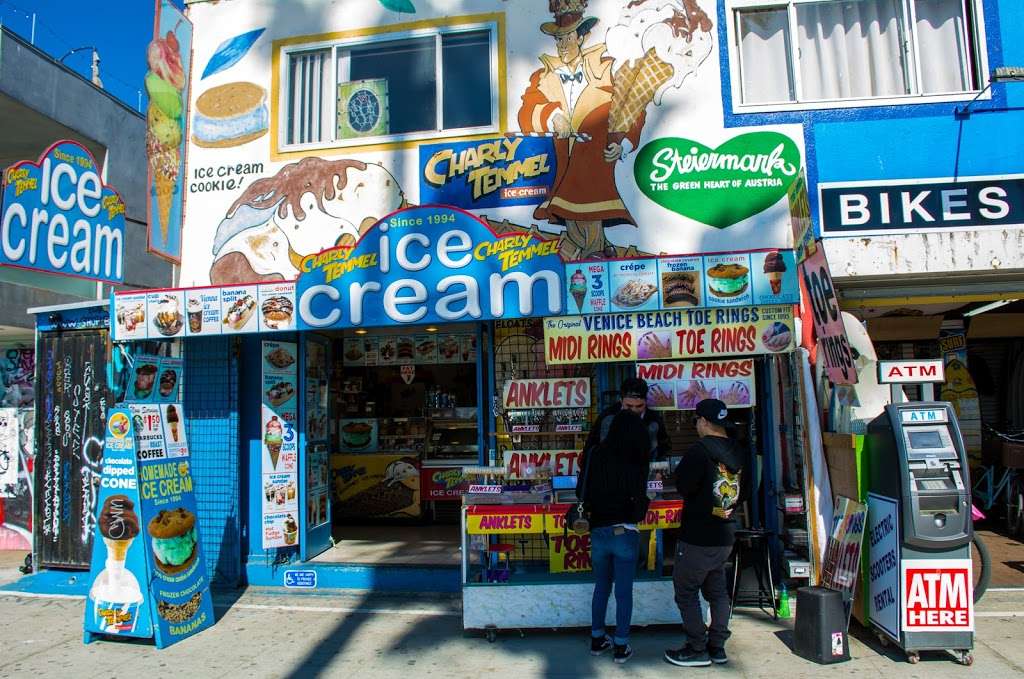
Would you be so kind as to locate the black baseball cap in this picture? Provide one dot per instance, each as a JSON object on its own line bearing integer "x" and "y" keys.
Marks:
{"x": 714, "y": 411}
{"x": 633, "y": 387}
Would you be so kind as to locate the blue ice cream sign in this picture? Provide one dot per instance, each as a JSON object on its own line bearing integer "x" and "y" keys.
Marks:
{"x": 488, "y": 173}
{"x": 59, "y": 217}
{"x": 430, "y": 264}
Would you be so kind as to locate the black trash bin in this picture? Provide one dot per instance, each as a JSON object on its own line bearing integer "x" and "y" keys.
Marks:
{"x": 820, "y": 633}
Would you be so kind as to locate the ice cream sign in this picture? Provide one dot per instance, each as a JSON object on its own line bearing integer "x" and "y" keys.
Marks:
{"x": 59, "y": 217}
{"x": 430, "y": 264}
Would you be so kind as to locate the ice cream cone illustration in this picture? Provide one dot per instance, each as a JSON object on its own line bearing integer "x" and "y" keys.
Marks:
{"x": 273, "y": 438}
{"x": 578, "y": 288}
{"x": 634, "y": 88}
{"x": 165, "y": 83}
{"x": 774, "y": 269}
{"x": 117, "y": 549}
{"x": 172, "y": 422}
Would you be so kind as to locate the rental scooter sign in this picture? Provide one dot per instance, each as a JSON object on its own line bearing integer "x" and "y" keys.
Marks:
{"x": 937, "y": 595}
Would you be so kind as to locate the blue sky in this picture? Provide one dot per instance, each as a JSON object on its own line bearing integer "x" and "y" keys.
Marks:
{"x": 119, "y": 30}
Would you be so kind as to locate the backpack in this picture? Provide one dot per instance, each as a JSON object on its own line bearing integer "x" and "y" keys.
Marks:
{"x": 611, "y": 483}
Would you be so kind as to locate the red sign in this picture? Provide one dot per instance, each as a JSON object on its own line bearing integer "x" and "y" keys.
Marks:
{"x": 444, "y": 484}
{"x": 828, "y": 319}
{"x": 521, "y": 464}
{"x": 937, "y": 595}
{"x": 911, "y": 372}
{"x": 570, "y": 392}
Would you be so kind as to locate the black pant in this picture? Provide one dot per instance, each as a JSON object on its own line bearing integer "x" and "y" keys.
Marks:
{"x": 702, "y": 569}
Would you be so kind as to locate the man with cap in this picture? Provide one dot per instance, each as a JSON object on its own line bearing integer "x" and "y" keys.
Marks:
{"x": 633, "y": 397}
{"x": 570, "y": 98}
{"x": 712, "y": 483}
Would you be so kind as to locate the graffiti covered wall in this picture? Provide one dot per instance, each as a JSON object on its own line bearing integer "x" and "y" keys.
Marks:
{"x": 600, "y": 121}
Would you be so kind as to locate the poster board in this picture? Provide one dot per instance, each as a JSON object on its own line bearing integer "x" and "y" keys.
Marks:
{"x": 148, "y": 576}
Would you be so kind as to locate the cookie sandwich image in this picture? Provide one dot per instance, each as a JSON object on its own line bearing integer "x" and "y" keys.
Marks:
{"x": 230, "y": 115}
{"x": 173, "y": 534}
{"x": 728, "y": 280}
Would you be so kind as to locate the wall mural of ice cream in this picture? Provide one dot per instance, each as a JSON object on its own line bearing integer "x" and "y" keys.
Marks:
{"x": 629, "y": 92}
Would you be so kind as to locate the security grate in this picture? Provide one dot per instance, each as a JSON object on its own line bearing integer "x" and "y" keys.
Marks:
{"x": 211, "y": 408}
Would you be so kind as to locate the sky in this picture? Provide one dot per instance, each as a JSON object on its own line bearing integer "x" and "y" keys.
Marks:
{"x": 120, "y": 31}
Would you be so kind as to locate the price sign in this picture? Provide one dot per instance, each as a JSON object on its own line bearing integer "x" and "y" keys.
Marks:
{"x": 828, "y": 319}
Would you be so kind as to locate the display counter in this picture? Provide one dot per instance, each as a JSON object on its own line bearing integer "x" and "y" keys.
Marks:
{"x": 522, "y": 568}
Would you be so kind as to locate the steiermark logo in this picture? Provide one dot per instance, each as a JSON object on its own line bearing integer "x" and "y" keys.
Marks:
{"x": 721, "y": 186}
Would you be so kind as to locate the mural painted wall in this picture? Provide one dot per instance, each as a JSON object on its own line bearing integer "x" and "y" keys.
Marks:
{"x": 604, "y": 126}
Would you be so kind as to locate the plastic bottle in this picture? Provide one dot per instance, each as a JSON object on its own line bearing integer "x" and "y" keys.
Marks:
{"x": 783, "y": 610}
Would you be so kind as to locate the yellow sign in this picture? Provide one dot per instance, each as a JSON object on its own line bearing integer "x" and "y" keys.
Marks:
{"x": 504, "y": 522}
{"x": 680, "y": 333}
{"x": 569, "y": 553}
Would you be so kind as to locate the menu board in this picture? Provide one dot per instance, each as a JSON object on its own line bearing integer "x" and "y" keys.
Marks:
{"x": 192, "y": 312}
{"x": 148, "y": 576}
{"x": 280, "y": 445}
{"x": 154, "y": 379}
{"x": 721, "y": 280}
{"x": 317, "y": 459}
{"x": 684, "y": 333}
{"x": 418, "y": 349}
{"x": 681, "y": 385}
{"x": 73, "y": 393}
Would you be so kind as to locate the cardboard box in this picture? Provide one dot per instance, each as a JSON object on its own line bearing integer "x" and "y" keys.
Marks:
{"x": 842, "y": 455}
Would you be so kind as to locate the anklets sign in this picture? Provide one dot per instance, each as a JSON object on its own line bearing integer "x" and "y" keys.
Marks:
{"x": 59, "y": 217}
{"x": 430, "y": 265}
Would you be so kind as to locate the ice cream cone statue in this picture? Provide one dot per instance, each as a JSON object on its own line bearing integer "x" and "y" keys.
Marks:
{"x": 165, "y": 82}
{"x": 656, "y": 45}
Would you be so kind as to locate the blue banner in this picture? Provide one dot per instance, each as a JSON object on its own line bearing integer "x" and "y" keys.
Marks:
{"x": 499, "y": 172}
{"x": 148, "y": 576}
{"x": 430, "y": 264}
{"x": 59, "y": 217}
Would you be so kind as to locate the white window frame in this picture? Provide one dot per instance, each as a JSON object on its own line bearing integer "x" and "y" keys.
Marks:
{"x": 336, "y": 46}
{"x": 914, "y": 67}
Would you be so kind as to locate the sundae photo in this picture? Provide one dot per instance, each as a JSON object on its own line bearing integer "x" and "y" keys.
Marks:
{"x": 578, "y": 288}
{"x": 277, "y": 312}
{"x": 145, "y": 378}
{"x": 174, "y": 539}
{"x": 291, "y": 530}
{"x": 280, "y": 393}
{"x": 165, "y": 82}
{"x": 273, "y": 438}
{"x": 168, "y": 319}
{"x": 115, "y": 593}
{"x": 130, "y": 315}
{"x": 774, "y": 268}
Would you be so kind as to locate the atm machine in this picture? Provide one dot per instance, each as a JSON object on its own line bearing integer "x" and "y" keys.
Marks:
{"x": 920, "y": 583}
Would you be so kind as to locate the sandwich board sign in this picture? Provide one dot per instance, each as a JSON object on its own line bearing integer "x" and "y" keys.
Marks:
{"x": 148, "y": 577}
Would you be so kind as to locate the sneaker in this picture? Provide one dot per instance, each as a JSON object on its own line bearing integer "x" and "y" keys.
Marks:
{"x": 717, "y": 655}
{"x": 599, "y": 645}
{"x": 684, "y": 657}
{"x": 623, "y": 653}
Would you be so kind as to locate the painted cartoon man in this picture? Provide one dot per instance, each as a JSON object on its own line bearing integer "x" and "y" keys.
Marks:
{"x": 570, "y": 97}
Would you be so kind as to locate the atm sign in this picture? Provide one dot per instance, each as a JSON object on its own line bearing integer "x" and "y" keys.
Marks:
{"x": 911, "y": 372}
{"x": 937, "y": 595}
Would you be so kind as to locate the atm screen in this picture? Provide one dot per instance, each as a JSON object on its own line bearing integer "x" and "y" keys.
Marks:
{"x": 925, "y": 439}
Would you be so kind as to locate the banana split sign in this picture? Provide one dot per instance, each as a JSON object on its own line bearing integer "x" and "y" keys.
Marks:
{"x": 430, "y": 264}
{"x": 59, "y": 216}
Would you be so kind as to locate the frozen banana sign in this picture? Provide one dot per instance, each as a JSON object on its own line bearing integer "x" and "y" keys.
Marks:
{"x": 59, "y": 217}
{"x": 429, "y": 265}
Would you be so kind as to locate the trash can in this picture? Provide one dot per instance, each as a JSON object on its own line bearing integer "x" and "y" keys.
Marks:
{"x": 820, "y": 630}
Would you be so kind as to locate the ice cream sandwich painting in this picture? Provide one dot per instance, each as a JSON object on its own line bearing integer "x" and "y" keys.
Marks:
{"x": 230, "y": 115}
{"x": 167, "y": 84}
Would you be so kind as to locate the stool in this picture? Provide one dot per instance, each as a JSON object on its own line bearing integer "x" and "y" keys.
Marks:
{"x": 820, "y": 629}
{"x": 752, "y": 546}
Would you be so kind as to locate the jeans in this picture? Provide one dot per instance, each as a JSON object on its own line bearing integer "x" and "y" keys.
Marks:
{"x": 702, "y": 569}
{"x": 614, "y": 559}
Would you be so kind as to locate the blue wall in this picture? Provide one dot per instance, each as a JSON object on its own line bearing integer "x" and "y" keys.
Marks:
{"x": 912, "y": 141}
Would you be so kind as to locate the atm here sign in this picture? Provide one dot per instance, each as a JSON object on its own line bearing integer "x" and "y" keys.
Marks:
{"x": 938, "y": 595}
{"x": 914, "y": 371}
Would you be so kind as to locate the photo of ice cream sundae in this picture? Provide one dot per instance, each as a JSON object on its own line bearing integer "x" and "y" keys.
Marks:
{"x": 774, "y": 269}
{"x": 145, "y": 378}
{"x": 130, "y": 315}
{"x": 578, "y": 288}
{"x": 291, "y": 530}
{"x": 168, "y": 318}
{"x": 115, "y": 594}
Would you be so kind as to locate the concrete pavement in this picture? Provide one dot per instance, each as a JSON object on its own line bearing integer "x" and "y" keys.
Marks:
{"x": 269, "y": 634}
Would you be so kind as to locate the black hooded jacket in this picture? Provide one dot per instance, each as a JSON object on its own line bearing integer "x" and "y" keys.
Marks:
{"x": 706, "y": 473}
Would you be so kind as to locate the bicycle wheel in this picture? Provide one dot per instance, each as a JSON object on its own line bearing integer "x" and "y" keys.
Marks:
{"x": 984, "y": 574}
{"x": 1015, "y": 506}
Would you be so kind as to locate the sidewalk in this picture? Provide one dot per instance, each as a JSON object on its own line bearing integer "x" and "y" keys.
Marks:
{"x": 269, "y": 634}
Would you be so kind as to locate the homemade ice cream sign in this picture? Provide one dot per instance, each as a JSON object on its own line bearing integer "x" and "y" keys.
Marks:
{"x": 169, "y": 58}
{"x": 722, "y": 280}
{"x": 59, "y": 217}
{"x": 148, "y": 576}
{"x": 430, "y": 264}
{"x": 682, "y": 385}
{"x": 685, "y": 333}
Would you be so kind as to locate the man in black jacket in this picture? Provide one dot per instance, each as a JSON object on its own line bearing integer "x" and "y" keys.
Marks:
{"x": 711, "y": 480}
{"x": 633, "y": 397}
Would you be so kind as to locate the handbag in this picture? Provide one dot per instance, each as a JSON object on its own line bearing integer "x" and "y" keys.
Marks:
{"x": 576, "y": 516}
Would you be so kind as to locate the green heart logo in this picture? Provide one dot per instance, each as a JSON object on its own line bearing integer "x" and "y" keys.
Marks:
{"x": 718, "y": 187}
